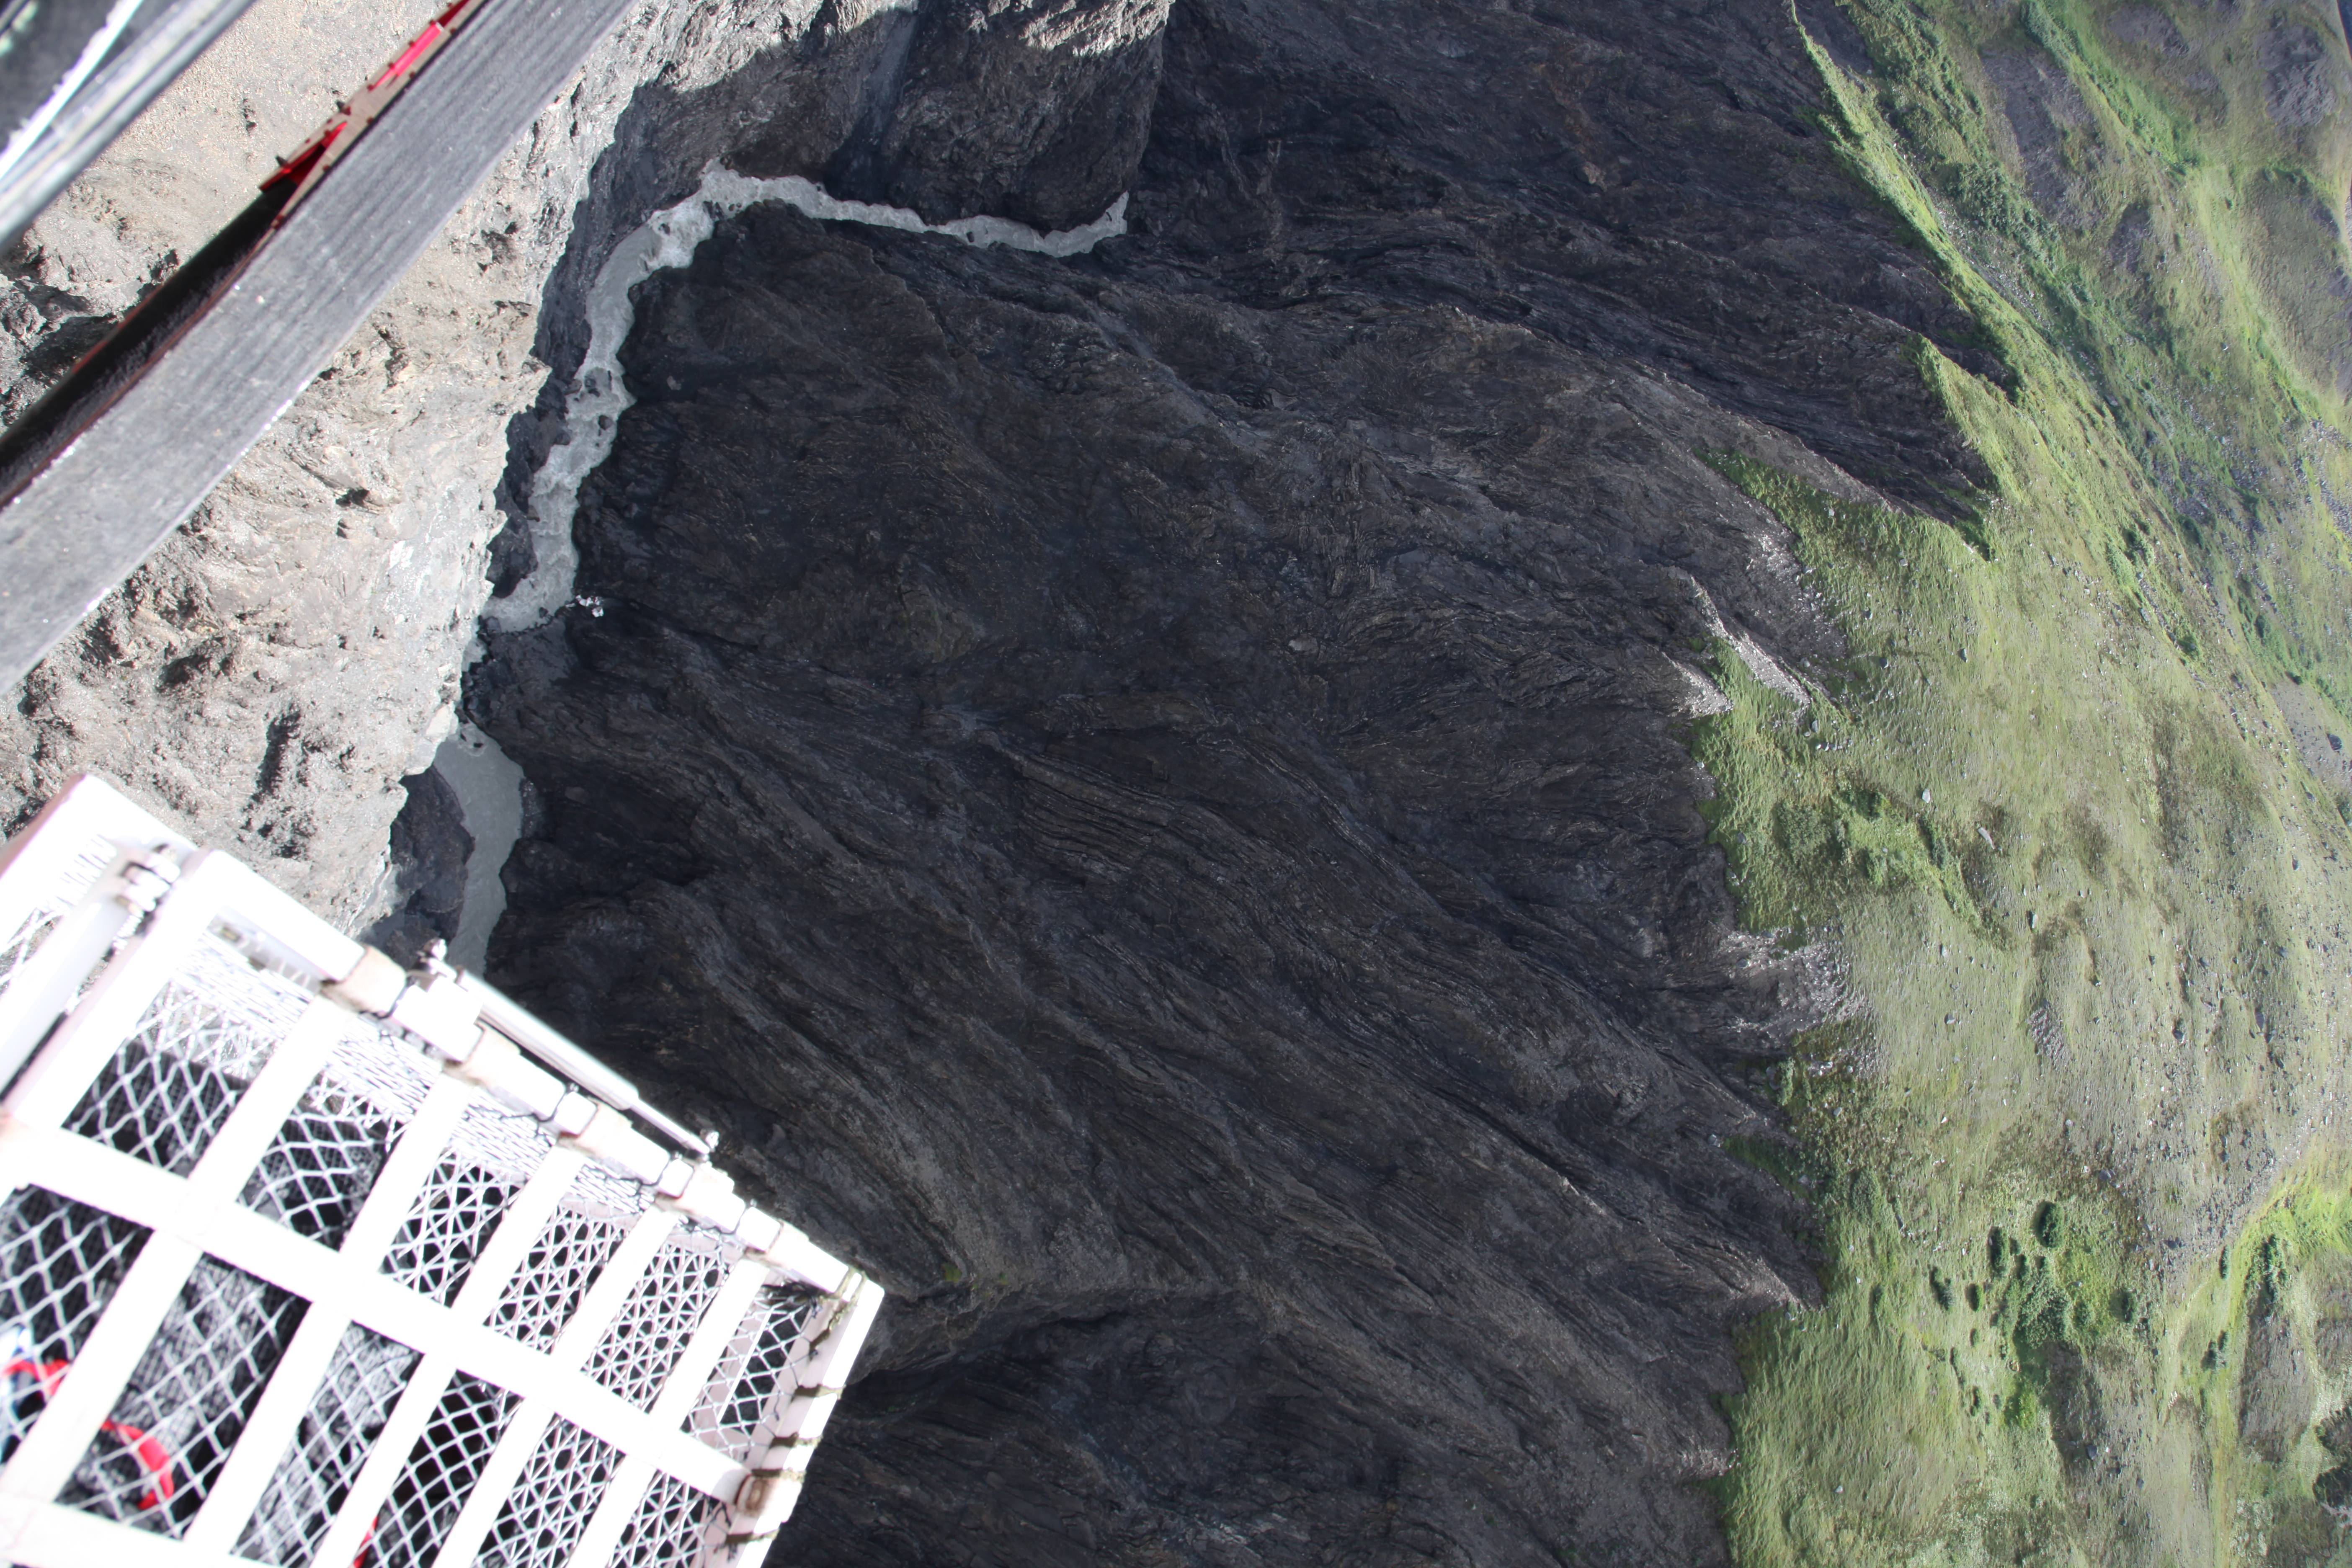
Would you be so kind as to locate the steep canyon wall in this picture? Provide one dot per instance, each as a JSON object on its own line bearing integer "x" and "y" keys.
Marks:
{"x": 1145, "y": 793}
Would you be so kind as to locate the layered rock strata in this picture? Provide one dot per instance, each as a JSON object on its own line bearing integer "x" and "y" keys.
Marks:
{"x": 1145, "y": 790}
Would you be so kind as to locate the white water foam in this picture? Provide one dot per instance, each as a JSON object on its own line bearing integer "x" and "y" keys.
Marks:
{"x": 669, "y": 238}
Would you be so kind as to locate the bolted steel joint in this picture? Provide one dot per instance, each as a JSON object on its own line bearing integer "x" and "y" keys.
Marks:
{"x": 374, "y": 985}
{"x": 146, "y": 877}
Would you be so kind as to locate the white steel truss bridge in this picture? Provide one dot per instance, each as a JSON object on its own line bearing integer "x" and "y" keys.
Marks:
{"x": 307, "y": 1259}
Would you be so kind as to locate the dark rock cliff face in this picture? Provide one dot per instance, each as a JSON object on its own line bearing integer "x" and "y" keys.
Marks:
{"x": 1145, "y": 794}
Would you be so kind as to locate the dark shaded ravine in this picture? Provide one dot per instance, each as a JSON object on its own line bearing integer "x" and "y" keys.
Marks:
{"x": 1146, "y": 794}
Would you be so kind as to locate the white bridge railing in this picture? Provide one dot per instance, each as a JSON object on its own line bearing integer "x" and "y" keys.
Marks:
{"x": 307, "y": 1260}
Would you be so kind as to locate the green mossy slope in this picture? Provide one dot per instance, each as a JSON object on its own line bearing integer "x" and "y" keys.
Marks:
{"x": 2073, "y": 810}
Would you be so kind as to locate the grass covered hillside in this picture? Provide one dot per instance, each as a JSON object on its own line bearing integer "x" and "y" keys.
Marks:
{"x": 2075, "y": 810}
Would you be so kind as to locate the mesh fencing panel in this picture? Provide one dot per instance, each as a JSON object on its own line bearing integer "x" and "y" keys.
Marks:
{"x": 441, "y": 1471}
{"x": 571, "y": 1252}
{"x": 760, "y": 1363}
{"x": 26, "y": 937}
{"x": 367, "y": 1069}
{"x": 158, "y": 1453}
{"x": 558, "y": 1489}
{"x": 266, "y": 1000}
{"x": 668, "y": 1527}
{"x": 353, "y": 1400}
{"x": 171, "y": 1084}
{"x": 503, "y": 1141}
{"x": 323, "y": 1162}
{"x": 245, "y": 1257}
{"x": 59, "y": 1263}
{"x": 96, "y": 854}
{"x": 169, "y": 1088}
{"x": 317, "y": 1171}
{"x": 651, "y": 1329}
{"x": 449, "y": 1220}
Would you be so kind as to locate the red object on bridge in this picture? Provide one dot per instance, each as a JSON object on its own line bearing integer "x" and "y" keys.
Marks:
{"x": 351, "y": 118}
{"x": 152, "y": 1457}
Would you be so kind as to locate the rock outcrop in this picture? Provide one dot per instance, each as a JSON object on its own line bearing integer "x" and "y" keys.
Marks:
{"x": 1144, "y": 792}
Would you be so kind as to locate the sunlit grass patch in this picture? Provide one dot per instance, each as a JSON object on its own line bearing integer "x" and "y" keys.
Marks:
{"x": 2074, "y": 1147}
{"x": 2088, "y": 914}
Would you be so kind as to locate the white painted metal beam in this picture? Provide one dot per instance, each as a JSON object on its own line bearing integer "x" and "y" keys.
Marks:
{"x": 98, "y": 868}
